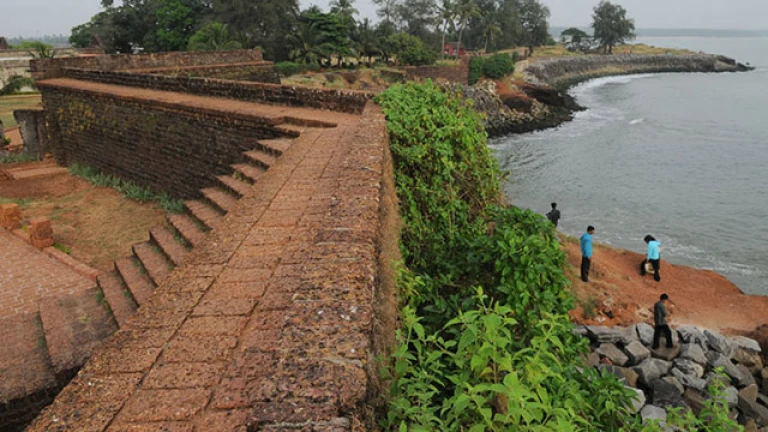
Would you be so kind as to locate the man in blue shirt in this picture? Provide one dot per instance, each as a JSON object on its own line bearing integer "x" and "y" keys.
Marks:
{"x": 586, "y": 253}
{"x": 654, "y": 257}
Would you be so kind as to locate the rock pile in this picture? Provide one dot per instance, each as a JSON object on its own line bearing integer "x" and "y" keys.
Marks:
{"x": 680, "y": 377}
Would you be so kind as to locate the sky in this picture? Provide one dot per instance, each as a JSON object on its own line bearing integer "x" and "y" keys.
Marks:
{"x": 31, "y": 18}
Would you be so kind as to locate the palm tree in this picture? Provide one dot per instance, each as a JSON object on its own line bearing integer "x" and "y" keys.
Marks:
{"x": 213, "y": 37}
{"x": 465, "y": 10}
{"x": 446, "y": 13}
{"x": 491, "y": 29}
{"x": 308, "y": 44}
{"x": 344, "y": 7}
{"x": 41, "y": 50}
{"x": 366, "y": 41}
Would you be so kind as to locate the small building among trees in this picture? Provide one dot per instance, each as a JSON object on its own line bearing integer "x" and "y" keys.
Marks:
{"x": 454, "y": 49}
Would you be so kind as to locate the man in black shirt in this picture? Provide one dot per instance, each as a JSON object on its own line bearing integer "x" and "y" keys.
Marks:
{"x": 554, "y": 215}
{"x": 660, "y": 322}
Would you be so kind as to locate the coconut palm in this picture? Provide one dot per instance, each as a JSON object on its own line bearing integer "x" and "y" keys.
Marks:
{"x": 446, "y": 14}
{"x": 344, "y": 7}
{"x": 465, "y": 11}
{"x": 308, "y": 44}
{"x": 213, "y": 37}
{"x": 40, "y": 50}
{"x": 491, "y": 29}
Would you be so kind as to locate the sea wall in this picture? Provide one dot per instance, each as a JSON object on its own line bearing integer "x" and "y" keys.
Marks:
{"x": 680, "y": 377}
{"x": 567, "y": 71}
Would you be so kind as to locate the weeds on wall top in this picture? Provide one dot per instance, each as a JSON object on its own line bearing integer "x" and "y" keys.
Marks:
{"x": 486, "y": 342}
{"x": 128, "y": 189}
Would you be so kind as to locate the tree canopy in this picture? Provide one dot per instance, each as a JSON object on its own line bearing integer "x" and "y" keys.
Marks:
{"x": 611, "y": 25}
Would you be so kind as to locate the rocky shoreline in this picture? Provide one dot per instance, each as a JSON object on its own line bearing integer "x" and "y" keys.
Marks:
{"x": 680, "y": 377}
{"x": 542, "y": 102}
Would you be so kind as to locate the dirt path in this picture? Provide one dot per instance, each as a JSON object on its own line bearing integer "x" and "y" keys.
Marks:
{"x": 96, "y": 225}
{"x": 698, "y": 297}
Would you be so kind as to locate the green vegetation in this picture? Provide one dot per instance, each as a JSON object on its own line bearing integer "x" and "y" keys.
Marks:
{"x": 16, "y": 84}
{"x": 485, "y": 342}
{"x": 8, "y": 104}
{"x": 287, "y": 69}
{"x": 213, "y": 37}
{"x": 128, "y": 189}
{"x": 496, "y": 66}
{"x": 64, "y": 248}
{"x": 611, "y": 25}
{"x": 18, "y": 158}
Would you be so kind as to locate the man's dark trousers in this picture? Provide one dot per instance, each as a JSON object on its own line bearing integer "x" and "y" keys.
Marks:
{"x": 585, "y": 264}
{"x": 657, "y": 335}
{"x": 656, "y": 267}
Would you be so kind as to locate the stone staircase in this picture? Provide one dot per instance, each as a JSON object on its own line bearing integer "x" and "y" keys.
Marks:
{"x": 135, "y": 277}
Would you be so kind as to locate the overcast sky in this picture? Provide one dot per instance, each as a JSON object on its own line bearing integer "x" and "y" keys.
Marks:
{"x": 38, "y": 17}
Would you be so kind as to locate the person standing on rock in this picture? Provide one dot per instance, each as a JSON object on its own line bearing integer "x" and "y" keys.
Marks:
{"x": 554, "y": 215}
{"x": 660, "y": 322}
{"x": 654, "y": 257}
{"x": 586, "y": 253}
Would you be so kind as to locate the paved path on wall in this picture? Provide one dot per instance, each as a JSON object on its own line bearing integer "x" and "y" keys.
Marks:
{"x": 273, "y": 114}
{"x": 28, "y": 275}
{"x": 269, "y": 322}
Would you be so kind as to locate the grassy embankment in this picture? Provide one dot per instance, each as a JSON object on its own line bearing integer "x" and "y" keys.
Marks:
{"x": 8, "y": 104}
{"x": 485, "y": 342}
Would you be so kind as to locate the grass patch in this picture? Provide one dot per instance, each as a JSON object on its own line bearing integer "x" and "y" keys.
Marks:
{"x": 128, "y": 189}
{"x": 21, "y": 202}
{"x": 589, "y": 307}
{"x": 11, "y": 158}
{"x": 8, "y": 104}
{"x": 63, "y": 248}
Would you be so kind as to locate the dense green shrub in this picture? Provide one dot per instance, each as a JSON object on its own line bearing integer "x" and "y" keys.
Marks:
{"x": 498, "y": 66}
{"x": 409, "y": 50}
{"x": 286, "y": 69}
{"x": 476, "y": 65}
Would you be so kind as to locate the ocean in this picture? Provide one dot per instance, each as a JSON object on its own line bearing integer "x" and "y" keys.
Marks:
{"x": 683, "y": 157}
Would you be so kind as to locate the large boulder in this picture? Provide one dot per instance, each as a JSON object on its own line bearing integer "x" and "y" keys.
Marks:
{"x": 692, "y": 335}
{"x": 629, "y": 335}
{"x": 650, "y": 413}
{"x": 715, "y": 360}
{"x": 645, "y": 333}
{"x": 616, "y": 371}
{"x": 753, "y": 410}
{"x": 651, "y": 369}
{"x": 689, "y": 381}
{"x": 719, "y": 343}
{"x": 630, "y": 376}
{"x": 693, "y": 352}
{"x": 747, "y": 344}
{"x": 746, "y": 377}
{"x": 672, "y": 380}
{"x": 689, "y": 367}
{"x": 749, "y": 392}
{"x": 665, "y": 353}
{"x": 603, "y": 335}
{"x": 613, "y": 353}
{"x": 665, "y": 395}
{"x": 695, "y": 400}
{"x": 637, "y": 352}
{"x": 638, "y": 401}
{"x": 764, "y": 380}
{"x": 731, "y": 396}
{"x": 750, "y": 359}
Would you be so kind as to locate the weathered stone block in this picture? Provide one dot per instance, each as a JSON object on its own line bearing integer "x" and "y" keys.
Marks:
{"x": 614, "y": 354}
{"x": 10, "y": 216}
{"x": 637, "y": 353}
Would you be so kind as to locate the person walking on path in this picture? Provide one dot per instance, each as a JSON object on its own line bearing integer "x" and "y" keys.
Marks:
{"x": 554, "y": 215}
{"x": 586, "y": 253}
{"x": 654, "y": 257}
{"x": 660, "y": 323}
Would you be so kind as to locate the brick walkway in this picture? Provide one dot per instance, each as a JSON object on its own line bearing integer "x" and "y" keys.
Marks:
{"x": 268, "y": 325}
{"x": 28, "y": 275}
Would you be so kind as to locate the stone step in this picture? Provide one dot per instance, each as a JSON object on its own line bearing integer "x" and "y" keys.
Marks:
{"x": 118, "y": 297}
{"x": 24, "y": 361}
{"x": 260, "y": 159}
{"x": 74, "y": 326}
{"x": 135, "y": 278}
{"x": 276, "y": 146}
{"x": 173, "y": 249}
{"x": 236, "y": 187}
{"x": 249, "y": 172}
{"x": 187, "y": 228}
{"x": 220, "y": 199}
{"x": 153, "y": 260}
{"x": 203, "y": 213}
{"x": 291, "y": 130}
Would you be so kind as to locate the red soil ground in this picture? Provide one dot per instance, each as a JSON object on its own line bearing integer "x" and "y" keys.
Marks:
{"x": 697, "y": 297}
